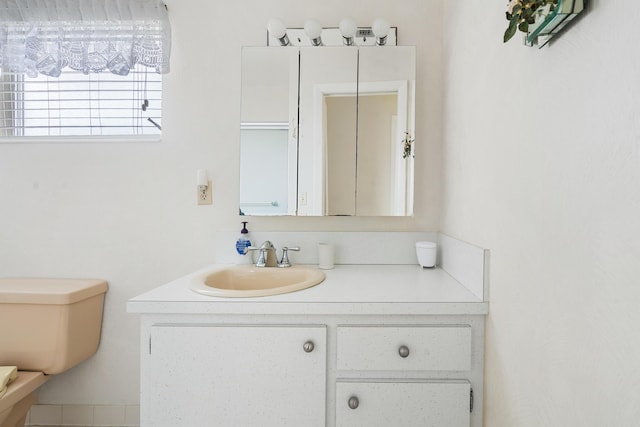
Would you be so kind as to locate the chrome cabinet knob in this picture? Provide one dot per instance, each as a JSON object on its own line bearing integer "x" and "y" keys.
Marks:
{"x": 308, "y": 346}
{"x": 403, "y": 351}
{"x": 353, "y": 402}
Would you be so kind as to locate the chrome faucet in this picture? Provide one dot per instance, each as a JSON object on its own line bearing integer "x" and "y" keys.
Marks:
{"x": 268, "y": 258}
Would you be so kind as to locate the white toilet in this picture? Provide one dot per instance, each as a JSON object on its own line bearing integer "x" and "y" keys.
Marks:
{"x": 47, "y": 326}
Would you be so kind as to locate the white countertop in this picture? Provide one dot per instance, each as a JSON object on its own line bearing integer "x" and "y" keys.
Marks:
{"x": 347, "y": 289}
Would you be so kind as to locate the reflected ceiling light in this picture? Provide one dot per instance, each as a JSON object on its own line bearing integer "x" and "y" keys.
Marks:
{"x": 278, "y": 30}
{"x": 313, "y": 29}
{"x": 380, "y": 30}
{"x": 348, "y": 29}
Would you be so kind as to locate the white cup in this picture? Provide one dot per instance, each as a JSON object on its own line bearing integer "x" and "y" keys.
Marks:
{"x": 426, "y": 252}
{"x": 325, "y": 256}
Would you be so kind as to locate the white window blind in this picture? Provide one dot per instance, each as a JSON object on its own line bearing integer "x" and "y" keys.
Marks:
{"x": 77, "y": 104}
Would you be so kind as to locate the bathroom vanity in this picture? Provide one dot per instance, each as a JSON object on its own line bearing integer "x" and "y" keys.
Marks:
{"x": 372, "y": 345}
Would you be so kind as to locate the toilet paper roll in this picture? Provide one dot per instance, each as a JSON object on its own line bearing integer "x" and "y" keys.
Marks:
{"x": 326, "y": 256}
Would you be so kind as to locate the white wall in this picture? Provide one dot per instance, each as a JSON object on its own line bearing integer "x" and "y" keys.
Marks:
{"x": 376, "y": 148}
{"x": 542, "y": 166}
{"x": 341, "y": 119}
{"x": 127, "y": 213}
{"x": 260, "y": 147}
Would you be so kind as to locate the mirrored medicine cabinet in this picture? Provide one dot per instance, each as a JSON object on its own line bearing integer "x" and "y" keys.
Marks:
{"x": 323, "y": 131}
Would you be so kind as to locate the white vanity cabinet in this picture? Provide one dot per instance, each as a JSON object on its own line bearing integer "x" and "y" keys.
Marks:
{"x": 311, "y": 370}
{"x": 219, "y": 375}
{"x": 375, "y": 346}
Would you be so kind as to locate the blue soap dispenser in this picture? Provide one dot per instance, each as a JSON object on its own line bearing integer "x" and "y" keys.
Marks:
{"x": 243, "y": 242}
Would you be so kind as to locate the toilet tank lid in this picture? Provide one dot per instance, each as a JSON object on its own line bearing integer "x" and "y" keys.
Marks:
{"x": 25, "y": 290}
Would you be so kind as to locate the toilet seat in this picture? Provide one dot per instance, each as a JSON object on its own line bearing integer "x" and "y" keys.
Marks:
{"x": 19, "y": 395}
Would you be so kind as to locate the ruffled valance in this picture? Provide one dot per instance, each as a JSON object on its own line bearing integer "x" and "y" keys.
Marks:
{"x": 47, "y": 36}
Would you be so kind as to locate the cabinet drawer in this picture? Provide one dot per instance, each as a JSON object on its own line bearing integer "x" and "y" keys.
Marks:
{"x": 419, "y": 348}
{"x": 406, "y": 404}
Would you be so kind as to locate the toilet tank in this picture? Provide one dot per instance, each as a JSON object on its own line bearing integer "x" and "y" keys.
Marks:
{"x": 49, "y": 325}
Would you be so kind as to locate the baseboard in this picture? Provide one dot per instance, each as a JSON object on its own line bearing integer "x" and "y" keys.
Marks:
{"x": 84, "y": 415}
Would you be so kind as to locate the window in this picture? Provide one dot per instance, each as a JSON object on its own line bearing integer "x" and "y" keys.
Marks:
{"x": 77, "y": 104}
{"x": 82, "y": 67}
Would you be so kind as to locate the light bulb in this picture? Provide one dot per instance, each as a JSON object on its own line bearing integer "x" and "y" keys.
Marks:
{"x": 313, "y": 29}
{"x": 380, "y": 30}
{"x": 348, "y": 29}
{"x": 278, "y": 30}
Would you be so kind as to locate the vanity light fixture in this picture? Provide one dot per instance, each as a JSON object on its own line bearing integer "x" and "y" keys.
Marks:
{"x": 348, "y": 29}
{"x": 380, "y": 30}
{"x": 278, "y": 30}
{"x": 313, "y": 29}
{"x": 347, "y": 33}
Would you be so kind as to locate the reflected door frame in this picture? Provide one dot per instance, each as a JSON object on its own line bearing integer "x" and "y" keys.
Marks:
{"x": 318, "y": 200}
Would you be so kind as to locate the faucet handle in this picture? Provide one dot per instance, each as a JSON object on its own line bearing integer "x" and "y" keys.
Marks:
{"x": 284, "y": 262}
{"x": 261, "y": 259}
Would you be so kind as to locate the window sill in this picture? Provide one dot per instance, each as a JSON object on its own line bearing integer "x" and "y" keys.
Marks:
{"x": 79, "y": 139}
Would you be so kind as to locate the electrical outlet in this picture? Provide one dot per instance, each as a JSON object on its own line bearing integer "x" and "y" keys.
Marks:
{"x": 303, "y": 198}
{"x": 205, "y": 197}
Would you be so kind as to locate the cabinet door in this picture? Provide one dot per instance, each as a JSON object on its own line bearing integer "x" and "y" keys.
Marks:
{"x": 234, "y": 376}
{"x": 406, "y": 404}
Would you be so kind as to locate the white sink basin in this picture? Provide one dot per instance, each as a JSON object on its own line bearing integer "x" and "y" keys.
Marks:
{"x": 250, "y": 281}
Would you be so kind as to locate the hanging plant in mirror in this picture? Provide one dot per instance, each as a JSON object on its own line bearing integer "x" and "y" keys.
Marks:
{"x": 407, "y": 144}
{"x": 522, "y": 13}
